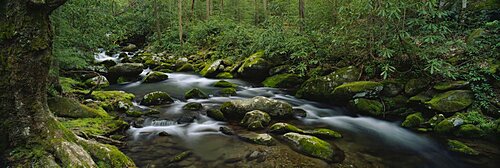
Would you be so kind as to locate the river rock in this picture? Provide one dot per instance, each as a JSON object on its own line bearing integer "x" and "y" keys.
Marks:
{"x": 451, "y": 101}
{"x": 459, "y": 147}
{"x": 216, "y": 114}
{"x": 413, "y": 120}
{"x": 98, "y": 81}
{"x": 260, "y": 139}
{"x": 129, "y": 48}
{"x": 224, "y": 84}
{"x": 275, "y": 108}
{"x": 113, "y": 100}
{"x": 414, "y": 86}
{"x": 156, "y": 98}
{"x": 320, "y": 88}
{"x": 211, "y": 70}
{"x": 224, "y": 75}
{"x": 324, "y": 133}
{"x": 127, "y": 71}
{"x": 227, "y": 92}
{"x": 359, "y": 89}
{"x": 367, "y": 106}
{"x": 255, "y": 67}
{"x": 282, "y": 128}
{"x": 187, "y": 67}
{"x": 193, "y": 106}
{"x": 255, "y": 120}
{"x": 195, "y": 94}
{"x": 226, "y": 130}
{"x": 283, "y": 81}
{"x": 451, "y": 85}
{"x": 469, "y": 131}
{"x": 153, "y": 77}
{"x": 66, "y": 107}
{"x": 314, "y": 147}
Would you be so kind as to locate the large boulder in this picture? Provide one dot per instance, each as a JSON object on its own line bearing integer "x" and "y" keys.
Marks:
{"x": 255, "y": 120}
{"x": 66, "y": 107}
{"x": 211, "y": 70}
{"x": 275, "y": 108}
{"x": 129, "y": 48}
{"x": 359, "y": 89}
{"x": 98, "y": 81}
{"x": 260, "y": 139}
{"x": 127, "y": 71}
{"x": 314, "y": 147}
{"x": 255, "y": 67}
{"x": 153, "y": 77}
{"x": 156, "y": 98}
{"x": 195, "y": 94}
{"x": 320, "y": 88}
{"x": 413, "y": 120}
{"x": 367, "y": 106}
{"x": 451, "y": 101}
{"x": 283, "y": 81}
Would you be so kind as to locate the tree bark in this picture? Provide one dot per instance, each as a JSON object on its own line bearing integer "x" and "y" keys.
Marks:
{"x": 192, "y": 9}
{"x": 208, "y": 9}
{"x": 157, "y": 20}
{"x": 31, "y": 136}
{"x": 180, "y": 20}
{"x": 301, "y": 14}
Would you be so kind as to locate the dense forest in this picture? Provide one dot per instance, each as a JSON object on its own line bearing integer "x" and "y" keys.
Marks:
{"x": 250, "y": 83}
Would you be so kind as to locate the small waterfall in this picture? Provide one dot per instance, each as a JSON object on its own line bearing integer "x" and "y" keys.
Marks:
{"x": 162, "y": 123}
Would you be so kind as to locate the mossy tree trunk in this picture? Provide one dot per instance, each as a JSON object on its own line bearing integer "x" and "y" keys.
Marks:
{"x": 31, "y": 136}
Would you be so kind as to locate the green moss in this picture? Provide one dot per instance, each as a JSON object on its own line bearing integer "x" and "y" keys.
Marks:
{"x": 311, "y": 146}
{"x": 444, "y": 86}
{"x": 114, "y": 100}
{"x": 260, "y": 139}
{"x": 444, "y": 127}
{"x": 392, "y": 103}
{"x": 282, "y": 128}
{"x": 193, "y": 106}
{"x": 69, "y": 85}
{"x": 186, "y": 68}
{"x": 107, "y": 155}
{"x": 95, "y": 126}
{"x": 156, "y": 98}
{"x": 367, "y": 106}
{"x": 255, "y": 120}
{"x": 210, "y": 70}
{"x": 195, "y": 94}
{"x": 224, "y": 75}
{"x": 255, "y": 66}
{"x": 153, "y": 77}
{"x": 451, "y": 101}
{"x": 180, "y": 157}
{"x": 228, "y": 92}
{"x": 283, "y": 81}
{"x": 457, "y": 146}
{"x": 320, "y": 88}
{"x": 65, "y": 107}
{"x": 413, "y": 120}
{"x": 224, "y": 84}
{"x": 216, "y": 114}
{"x": 324, "y": 133}
{"x": 357, "y": 90}
{"x": 134, "y": 113}
{"x": 469, "y": 130}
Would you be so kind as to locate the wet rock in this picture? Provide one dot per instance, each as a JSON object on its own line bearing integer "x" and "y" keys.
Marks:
{"x": 413, "y": 120}
{"x": 134, "y": 113}
{"x": 324, "y": 133}
{"x": 211, "y": 70}
{"x": 195, "y": 94}
{"x": 66, "y": 107}
{"x": 275, "y": 108}
{"x": 226, "y": 131}
{"x": 444, "y": 127}
{"x": 452, "y": 85}
{"x": 436, "y": 119}
{"x": 396, "y": 102}
{"x": 233, "y": 160}
{"x": 129, "y": 48}
{"x": 98, "y": 81}
{"x": 187, "y": 118}
{"x": 320, "y": 88}
{"x": 283, "y": 81}
{"x": 224, "y": 84}
{"x": 255, "y": 120}
{"x": 216, "y": 114}
{"x": 451, "y": 101}
{"x": 359, "y": 89}
{"x": 255, "y": 67}
{"x": 224, "y": 75}
{"x": 163, "y": 133}
{"x": 260, "y": 139}
{"x": 282, "y": 128}
{"x": 107, "y": 63}
{"x": 459, "y": 147}
{"x": 256, "y": 155}
{"x": 126, "y": 71}
{"x": 228, "y": 92}
{"x": 300, "y": 113}
{"x": 181, "y": 156}
{"x": 470, "y": 131}
{"x": 414, "y": 86}
{"x": 193, "y": 106}
{"x": 314, "y": 147}
{"x": 113, "y": 100}
{"x": 391, "y": 88}
{"x": 186, "y": 68}
{"x": 367, "y": 106}
{"x": 156, "y": 98}
{"x": 153, "y": 77}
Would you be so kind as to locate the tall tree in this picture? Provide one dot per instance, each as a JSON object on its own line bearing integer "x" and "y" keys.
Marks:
{"x": 179, "y": 3}
{"x": 208, "y": 9}
{"x": 156, "y": 8}
{"x": 31, "y": 136}
{"x": 301, "y": 14}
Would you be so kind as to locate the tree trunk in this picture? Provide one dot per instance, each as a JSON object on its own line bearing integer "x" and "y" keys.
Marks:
{"x": 221, "y": 6}
{"x": 301, "y": 14}
{"x": 255, "y": 14}
{"x": 180, "y": 20}
{"x": 264, "y": 5}
{"x": 192, "y": 9}
{"x": 31, "y": 136}
{"x": 208, "y": 9}
{"x": 157, "y": 20}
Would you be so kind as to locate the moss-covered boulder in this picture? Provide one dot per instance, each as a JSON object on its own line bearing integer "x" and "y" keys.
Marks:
{"x": 324, "y": 133}
{"x": 367, "y": 106}
{"x": 359, "y": 89}
{"x": 394, "y": 103}
{"x": 320, "y": 88}
{"x": 255, "y": 67}
{"x": 469, "y": 130}
{"x": 451, "y": 85}
{"x": 444, "y": 127}
{"x": 66, "y": 107}
{"x": 224, "y": 75}
{"x": 459, "y": 147}
{"x": 211, "y": 70}
{"x": 98, "y": 81}
{"x": 154, "y": 76}
{"x": 134, "y": 113}
{"x": 69, "y": 85}
{"x": 436, "y": 119}
{"x": 224, "y": 84}
{"x": 283, "y": 81}
{"x": 164, "y": 67}
{"x": 96, "y": 126}
{"x": 451, "y": 101}
{"x": 187, "y": 67}
{"x": 282, "y": 128}
{"x": 314, "y": 147}
{"x": 227, "y": 92}
{"x": 195, "y": 94}
{"x": 156, "y": 98}
{"x": 413, "y": 120}
{"x": 193, "y": 106}
{"x": 255, "y": 120}
{"x": 414, "y": 86}
{"x": 260, "y": 139}
{"x": 216, "y": 114}
{"x": 275, "y": 108}
{"x": 113, "y": 100}
{"x": 129, "y": 48}
{"x": 127, "y": 71}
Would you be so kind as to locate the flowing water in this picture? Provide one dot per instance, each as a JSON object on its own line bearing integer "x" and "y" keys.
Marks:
{"x": 371, "y": 141}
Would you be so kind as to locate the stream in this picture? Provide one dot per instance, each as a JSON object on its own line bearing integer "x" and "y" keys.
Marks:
{"x": 367, "y": 142}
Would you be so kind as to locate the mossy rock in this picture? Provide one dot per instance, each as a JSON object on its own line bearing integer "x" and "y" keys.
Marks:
{"x": 69, "y": 85}
{"x": 255, "y": 67}
{"x": 211, "y": 70}
{"x": 164, "y": 67}
{"x": 367, "y": 106}
{"x": 359, "y": 89}
{"x": 224, "y": 75}
{"x": 193, "y": 106}
{"x": 275, "y": 108}
{"x": 153, "y": 77}
{"x": 134, "y": 113}
{"x": 96, "y": 126}
{"x": 156, "y": 98}
{"x": 414, "y": 86}
{"x": 255, "y": 120}
{"x": 282, "y": 128}
{"x": 283, "y": 81}
{"x": 228, "y": 92}
{"x": 107, "y": 155}
{"x": 98, "y": 81}
{"x": 444, "y": 127}
{"x": 419, "y": 99}
{"x": 451, "y": 85}
{"x": 413, "y": 120}
{"x": 451, "y": 101}
{"x": 181, "y": 156}
{"x": 393, "y": 103}
{"x": 260, "y": 139}
{"x": 128, "y": 71}
{"x": 459, "y": 147}
{"x": 65, "y": 107}
{"x": 470, "y": 131}
{"x": 114, "y": 100}
{"x": 216, "y": 114}
{"x": 320, "y": 88}
{"x": 314, "y": 147}
{"x": 224, "y": 84}
{"x": 392, "y": 88}
{"x": 186, "y": 68}
{"x": 436, "y": 119}
{"x": 324, "y": 133}
{"x": 129, "y": 48}
{"x": 195, "y": 94}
